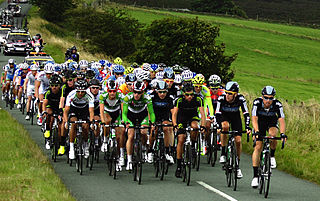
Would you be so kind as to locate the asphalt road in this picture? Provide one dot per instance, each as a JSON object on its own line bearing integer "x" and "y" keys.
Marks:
{"x": 207, "y": 184}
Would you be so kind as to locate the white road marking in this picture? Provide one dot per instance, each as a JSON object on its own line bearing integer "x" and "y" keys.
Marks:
{"x": 216, "y": 191}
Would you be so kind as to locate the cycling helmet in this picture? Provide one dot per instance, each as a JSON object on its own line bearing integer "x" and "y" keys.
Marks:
{"x": 49, "y": 68}
{"x": 198, "y": 79}
{"x": 96, "y": 65}
{"x": 74, "y": 48}
{"x": 120, "y": 81}
{"x": 81, "y": 75}
{"x": 232, "y": 86}
{"x": 177, "y": 69}
{"x": 57, "y": 67}
{"x": 69, "y": 74}
{"x": 112, "y": 85}
{"x": 168, "y": 75}
{"x": 118, "y": 61}
{"x": 24, "y": 66}
{"x": 161, "y": 85}
{"x": 11, "y": 61}
{"x": 177, "y": 79}
{"x": 187, "y": 75}
{"x": 94, "y": 82}
{"x": 153, "y": 83}
{"x": 38, "y": 35}
{"x": 118, "y": 69}
{"x": 131, "y": 77}
{"x": 159, "y": 75}
{"x": 214, "y": 80}
{"x": 268, "y": 90}
{"x": 81, "y": 85}
{"x": 135, "y": 65}
{"x": 128, "y": 70}
{"x": 185, "y": 68}
{"x": 83, "y": 63}
{"x": 90, "y": 74}
{"x": 138, "y": 85}
{"x": 187, "y": 86}
{"x": 34, "y": 67}
{"x": 143, "y": 75}
{"x": 154, "y": 67}
{"x": 137, "y": 71}
{"x": 146, "y": 66}
{"x": 55, "y": 79}
{"x": 161, "y": 66}
{"x": 102, "y": 62}
{"x": 74, "y": 66}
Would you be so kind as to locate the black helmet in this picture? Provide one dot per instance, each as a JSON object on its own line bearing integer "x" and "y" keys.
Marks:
{"x": 38, "y": 35}
{"x": 168, "y": 75}
{"x": 187, "y": 86}
{"x": 138, "y": 86}
{"x": 94, "y": 82}
{"x": 81, "y": 75}
{"x": 55, "y": 79}
{"x": 81, "y": 85}
{"x": 131, "y": 77}
{"x": 69, "y": 74}
{"x": 232, "y": 86}
{"x": 74, "y": 48}
{"x": 177, "y": 69}
{"x": 90, "y": 74}
{"x": 185, "y": 68}
{"x": 268, "y": 90}
{"x": 162, "y": 66}
{"x": 161, "y": 85}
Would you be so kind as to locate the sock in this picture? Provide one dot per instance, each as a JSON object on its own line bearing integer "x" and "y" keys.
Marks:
{"x": 105, "y": 139}
{"x": 143, "y": 148}
{"x": 129, "y": 158}
{"x": 71, "y": 146}
{"x": 255, "y": 171}
{"x": 167, "y": 150}
{"x": 121, "y": 152}
{"x": 179, "y": 163}
{"x": 272, "y": 152}
{"x": 223, "y": 151}
{"x": 96, "y": 140}
{"x": 63, "y": 141}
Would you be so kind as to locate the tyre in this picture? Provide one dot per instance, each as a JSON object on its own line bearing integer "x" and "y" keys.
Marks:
{"x": 228, "y": 167}
{"x": 55, "y": 144}
{"x": 188, "y": 164}
{"x": 235, "y": 170}
{"x": 267, "y": 173}
{"x": 139, "y": 164}
{"x": 198, "y": 152}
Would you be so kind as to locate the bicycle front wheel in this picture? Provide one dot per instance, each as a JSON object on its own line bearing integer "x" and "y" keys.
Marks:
{"x": 139, "y": 164}
{"x": 235, "y": 169}
{"x": 188, "y": 163}
{"x": 267, "y": 174}
{"x": 55, "y": 144}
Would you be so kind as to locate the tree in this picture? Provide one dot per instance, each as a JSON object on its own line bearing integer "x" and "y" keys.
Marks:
{"x": 53, "y": 10}
{"x": 218, "y": 6}
{"x": 187, "y": 42}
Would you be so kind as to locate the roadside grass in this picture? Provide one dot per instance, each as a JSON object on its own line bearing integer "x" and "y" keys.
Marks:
{"x": 269, "y": 54}
{"x": 25, "y": 172}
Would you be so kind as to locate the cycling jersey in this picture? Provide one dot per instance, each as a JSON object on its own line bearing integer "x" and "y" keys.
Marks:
{"x": 162, "y": 107}
{"x": 188, "y": 110}
{"x": 53, "y": 99}
{"x": 30, "y": 85}
{"x": 137, "y": 109}
{"x": 267, "y": 117}
{"x": 113, "y": 77}
{"x": 214, "y": 98}
{"x": 112, "y": 107}
{"x": 206, "y": 96}
{"x": 23, "y": 76}
{"x": 10, "y": 71}
{"x": 173, "y": 92}
{"x": 230, "y": 112}
{"x": 124, "y": 89}
{"x": 44, "y": 82}
{"x": 79, "y": 107}
{"x": 96, "y": 102}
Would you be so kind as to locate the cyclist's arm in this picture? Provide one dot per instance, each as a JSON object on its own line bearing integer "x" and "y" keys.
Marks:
{"x": 36, "y": 88}
{"x": 45, "y": 100}
{"x": 203, "y": 120}
{"x": 255, "y": 124}
{"x": 207, "y": 100}
{"x": 25, "y": 84}
{"x": 245, "y": 112}
{"x": 218, "y": 112}
{"x": 101, "y": 105}
{"x": 151, "y": 113}
{"x": 91, "y": 112}
{"x": 174, "y": 115}
{"x": 282, "y": 125}
{"x": 65, "y": 113}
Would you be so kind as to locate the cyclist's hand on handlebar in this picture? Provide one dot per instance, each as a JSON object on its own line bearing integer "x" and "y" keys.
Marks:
{"x": 203, "y": 129}
{"x": 249, "y": 130}
{"x": 219, "y": 131}
{"x": 66, "y": 125}
{"x": 93, "y": 126}
{"x": 284, "y": 137}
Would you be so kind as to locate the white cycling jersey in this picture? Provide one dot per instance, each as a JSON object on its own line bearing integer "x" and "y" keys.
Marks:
{"x": 44, "y": 82}
{"x": 30, "y": 85}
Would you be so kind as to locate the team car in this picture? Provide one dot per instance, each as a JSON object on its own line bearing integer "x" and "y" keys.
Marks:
{"x": 38, "y": 58}
{"x": 18, "y": 42}
{"x": 15, "y": 9}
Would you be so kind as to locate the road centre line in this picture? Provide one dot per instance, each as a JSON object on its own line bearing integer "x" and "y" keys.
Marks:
{"x": 216, "y": 191}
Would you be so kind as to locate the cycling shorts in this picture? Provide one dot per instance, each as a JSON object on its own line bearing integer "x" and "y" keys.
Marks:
{"x": 234, "y": 119}
{"x": 183, "y": 125}
{"x": 115, "y": 116}
{"x": 265, "y": 125}
{"x": 142, "y": 117}
{"x": 80, "y": 113}
{"x": 9, "y": 77}
{"x": 30, "y": 90}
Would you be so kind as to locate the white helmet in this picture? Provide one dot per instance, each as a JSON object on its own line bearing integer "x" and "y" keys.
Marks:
{"x": 137, "y": 71}
{"x": 11, "y": 61}
{"x": 187, "y": 75}
{"x": 49, "y": 68}
{"x": 159, "y": 75}
{"x": 96, "y": 65}
{"x": 143, "y": 75}
{"x": 146, "y": 67}
{"x": 120, "y": 81}
{"x": 34, "y": 67}
{"x": 154, "y": 83}
{"x": 83, "y": 64}
{"x": 24, "y": 66}
{"x": 177, "y": 79}
{"x": 214, "y": 79}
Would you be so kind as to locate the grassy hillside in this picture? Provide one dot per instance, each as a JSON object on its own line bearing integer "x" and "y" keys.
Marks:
{"x": 286, "y": 57}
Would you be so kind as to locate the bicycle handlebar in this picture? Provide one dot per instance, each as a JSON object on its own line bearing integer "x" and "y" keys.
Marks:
{"x": 79, "y": 122}
{"x": 270, "y": 138}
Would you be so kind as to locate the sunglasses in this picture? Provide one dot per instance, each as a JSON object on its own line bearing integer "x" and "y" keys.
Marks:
{"x": 112, "y": 91}
{"x": 169, "y": 81}
{"x": 129, "y": 84}
{"x": 95, "y": 87}
{"x": 137, "y": 92}
{"x": 54, "y": 85}
{"x": 162, "y": 92}
{"x": 198, "y": 86}
{"x": 69, "y": 80}
{"x": 230, "y": 92}
{"x": 119, "y": 73}
{"x": 189, "y": 94}
{"x": 214, "y": 88}
{"x": 268, "y": 98}
{"x": 81, "y": 91}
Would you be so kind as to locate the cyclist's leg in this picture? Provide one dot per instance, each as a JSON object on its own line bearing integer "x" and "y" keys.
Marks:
{"x": 273, "y": 131}
{"x": 129, "y": 147}
{"x": 236, "y": 125}
{"x": 28, "y": 104}
{"x": 181, "y": 139}
{"x": 194, "y": 134}
{"x": 167, "y": 134}
{"x": 224, "y": 141}
{"x": 48, "y": 122}
{"x": 144, "y": 137}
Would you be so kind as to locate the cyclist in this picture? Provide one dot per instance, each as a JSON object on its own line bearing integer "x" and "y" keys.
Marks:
{"x": 227, "y": 112}
{"x": 51, "y": 106}
{"x": 153, "y": 70}
{"x": 79, "y": 105}
{"x": 118, "y": 71}
{"x": 128, "y": 86}
{"x": 29, "y": 86}
{"x": 71, "y": 54}
{"x": 94, "y": 89}
{"x": 185, "y": 112}
{"x": 42, "y": 85}
{"x": 168, "y": 77}
{"x": 144, "y": 76}
{"x": 216, "y": 89}
{"x": 10, "y": 69}
{"x": 266, "y": 113}
{"x": 22, "y": 74}
{"x": 162, "y": 105}
{"x": 83, "y": 64}
{"x": 110, "y": 112}
{"x": 137, "y": 105}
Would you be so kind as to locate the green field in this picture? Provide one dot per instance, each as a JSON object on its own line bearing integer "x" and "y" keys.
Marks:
{"x": 25, "y": 173}
{"x": 285, "y": 57}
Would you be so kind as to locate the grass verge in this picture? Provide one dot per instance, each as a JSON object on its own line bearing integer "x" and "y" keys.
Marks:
{"x": 25, "y": 173}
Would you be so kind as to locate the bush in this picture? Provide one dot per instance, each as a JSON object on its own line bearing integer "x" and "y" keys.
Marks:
{"x": 111, "y": 31}
{"x": 188, "y": 42}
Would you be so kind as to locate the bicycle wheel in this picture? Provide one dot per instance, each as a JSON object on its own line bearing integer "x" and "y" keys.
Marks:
{"x": 156, "y": 158}
{"x": 261, "y": 179}
{"x": 55, "y": 144}
{"x": 235, "y": 169}
{"x": 198, "y": 152}
{"x": 139, "y": 164}
{"x": 162, "y": 160}
{"x": 114, "y": 163}
{"x": 210, "y": 149}
{"x": 214, "y": 147}
{"x": 91, "y": 151}
{"x": 267, "y": 173}
{"x": 188, "y": 164}
{"x": 80, "y": 154}
{"x": 228, "y": 167}
{"x": 22, "y": 105}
